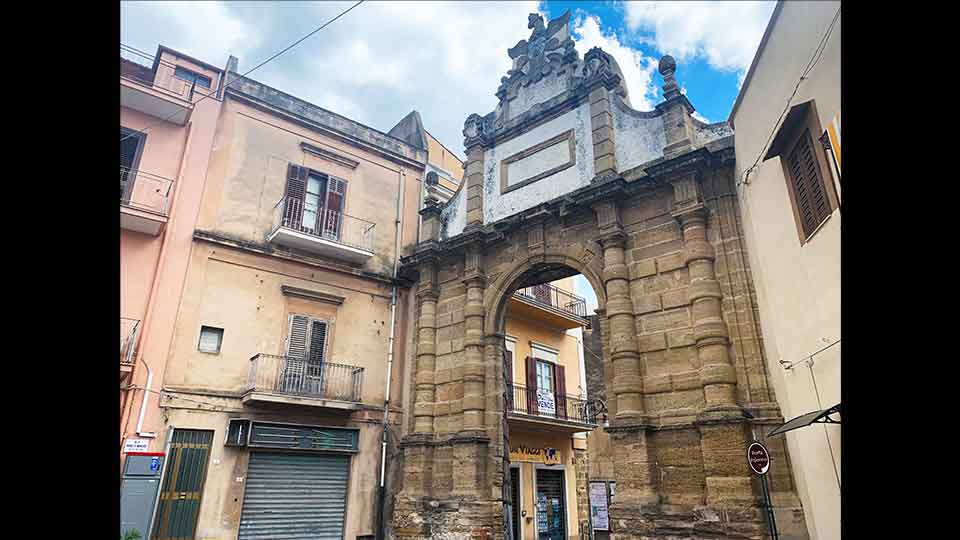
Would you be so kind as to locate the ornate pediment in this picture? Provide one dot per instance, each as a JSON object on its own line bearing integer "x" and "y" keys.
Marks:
{"x": 548, "y": 48}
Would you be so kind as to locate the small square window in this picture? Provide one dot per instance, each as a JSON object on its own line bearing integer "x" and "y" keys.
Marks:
{"x": 210, "y": 339}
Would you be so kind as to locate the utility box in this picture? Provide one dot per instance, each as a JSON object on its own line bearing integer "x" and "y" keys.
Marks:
{"x": 138, "y": 491}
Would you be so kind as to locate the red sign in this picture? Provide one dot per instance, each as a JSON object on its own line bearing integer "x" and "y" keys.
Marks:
{"x": 758, "y": 458}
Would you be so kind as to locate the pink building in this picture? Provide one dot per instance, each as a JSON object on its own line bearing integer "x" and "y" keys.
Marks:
{"x": 169, "y": 105}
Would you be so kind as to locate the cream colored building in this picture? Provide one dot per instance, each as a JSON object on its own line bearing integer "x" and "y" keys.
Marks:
{"x": 285, "y": 347}
{"x": 791, "y": 220}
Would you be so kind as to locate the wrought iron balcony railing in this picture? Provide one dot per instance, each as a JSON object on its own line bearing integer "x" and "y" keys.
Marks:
{"x": 305, "y": 378}
{"x": 129, "y": 332}
{"x": 144, "y": 191}
{"x": 549, "y": 295}
{"x": 550, "y": 405}
{"x": 291, "y": 213}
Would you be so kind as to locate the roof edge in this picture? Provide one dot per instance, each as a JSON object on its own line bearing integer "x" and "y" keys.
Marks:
{"x": 753, "y": 64}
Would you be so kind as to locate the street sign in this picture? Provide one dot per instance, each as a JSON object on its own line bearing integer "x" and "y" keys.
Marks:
{"x": 136, "y": 445}
{"x": 758, "y": 458}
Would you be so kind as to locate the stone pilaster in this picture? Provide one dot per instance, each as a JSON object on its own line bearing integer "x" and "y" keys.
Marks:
{"x": 637, "y": 493}
{"x": 601, "y": 121}
{"x": 473, "y": 368}
{"x": 722, "y": 423}
{"x": 473, "y": 173}
{"x": 423, "y": 407}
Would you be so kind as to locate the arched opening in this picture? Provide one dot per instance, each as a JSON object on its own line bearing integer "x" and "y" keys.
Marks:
{"x": 536, "y": 317}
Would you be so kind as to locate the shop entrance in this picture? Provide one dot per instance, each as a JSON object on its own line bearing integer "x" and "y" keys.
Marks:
{"x": 550, "y": 505}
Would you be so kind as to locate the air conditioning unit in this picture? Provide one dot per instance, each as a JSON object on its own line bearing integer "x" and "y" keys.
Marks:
{"x": 238, "y": 432}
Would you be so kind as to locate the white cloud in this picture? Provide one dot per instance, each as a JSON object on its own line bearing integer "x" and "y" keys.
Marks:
{"x": 637, "y": 69}
{"x": 205, "y": 30}
{"x": 725, "y": 34}
{"x": 374, "y": 65}
{"x": 701, "y": 117}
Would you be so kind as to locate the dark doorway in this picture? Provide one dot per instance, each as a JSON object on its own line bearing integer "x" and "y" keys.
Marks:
{"x": 515, "y": 500}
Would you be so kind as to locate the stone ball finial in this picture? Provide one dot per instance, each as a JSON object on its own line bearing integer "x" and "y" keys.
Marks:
{"x": 667, "y": 65}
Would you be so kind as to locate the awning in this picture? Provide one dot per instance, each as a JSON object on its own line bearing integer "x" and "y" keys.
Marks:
{"x": 815, "y": 417}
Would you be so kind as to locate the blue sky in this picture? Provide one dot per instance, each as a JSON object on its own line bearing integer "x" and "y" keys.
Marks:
{"x": 445, "y": 59}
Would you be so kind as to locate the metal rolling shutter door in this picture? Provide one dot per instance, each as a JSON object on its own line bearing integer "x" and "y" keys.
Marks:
{"x": 294, "y": 496}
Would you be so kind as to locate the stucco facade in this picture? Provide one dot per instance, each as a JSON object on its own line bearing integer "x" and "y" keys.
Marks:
{"x": 164, "y": 155}
{"x": 797, "y": 277}
{"x": 253, "y": 269}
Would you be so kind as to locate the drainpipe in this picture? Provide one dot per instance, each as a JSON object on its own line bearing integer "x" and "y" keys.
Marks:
{"x": 143, "y": 402}
{"x": 386, "y": 400}
{"x": 148, "y": 318}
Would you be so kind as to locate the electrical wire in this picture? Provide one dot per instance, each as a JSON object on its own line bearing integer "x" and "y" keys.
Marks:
{"x": 261, "y": 64}
{"x": 812, "y": 63}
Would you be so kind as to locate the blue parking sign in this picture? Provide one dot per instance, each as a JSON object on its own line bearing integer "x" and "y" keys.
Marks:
{"x": 154, "y": 464}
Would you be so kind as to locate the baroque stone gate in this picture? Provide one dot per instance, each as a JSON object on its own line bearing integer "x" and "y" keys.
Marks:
{"x": 565, "y": 177}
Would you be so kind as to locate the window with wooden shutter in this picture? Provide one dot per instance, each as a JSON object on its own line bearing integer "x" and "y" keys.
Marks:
{"x": 293, "y": 195}
{"x": 560, "y": 384}
{"x": 531, "y": 385}
{"x": 508, "y": 376}
{"x": 806, "y": 182}
{"x": 336, "y": 194}
{"x": 303, "y": 367}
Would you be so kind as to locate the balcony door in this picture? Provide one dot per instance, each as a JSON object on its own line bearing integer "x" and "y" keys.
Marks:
{"x": 131, "y": 146}
{"x": 314, "y": 202}
{"x": 303, "y": 366}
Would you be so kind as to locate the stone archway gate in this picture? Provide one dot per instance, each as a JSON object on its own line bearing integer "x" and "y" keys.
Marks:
{"x": 565, "y": 176}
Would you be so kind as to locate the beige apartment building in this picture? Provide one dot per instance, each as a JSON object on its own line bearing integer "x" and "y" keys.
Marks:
{"x": 287, "y": 345}
{"x": 169, "y": 105}
{"x": 789, "y": 193}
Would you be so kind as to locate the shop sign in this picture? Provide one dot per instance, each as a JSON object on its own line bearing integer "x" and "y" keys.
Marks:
{"x": 546, "y": 455}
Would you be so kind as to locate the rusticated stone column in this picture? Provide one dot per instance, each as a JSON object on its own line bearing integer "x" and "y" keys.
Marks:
{"x": 622, "y": 329}
{"x": 722, "y": 423}
{"x": 473, "y": 368}
{"x": 636, "y": 487}
{"x": 423, "y": 407}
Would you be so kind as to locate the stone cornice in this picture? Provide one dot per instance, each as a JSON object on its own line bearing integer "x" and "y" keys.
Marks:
{"x": 642, "y": 178}
{"x": 307, "y": 294}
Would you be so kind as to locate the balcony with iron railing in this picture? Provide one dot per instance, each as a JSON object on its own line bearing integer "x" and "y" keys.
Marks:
{"x": 129, "y": 332}
{"x": 293, "y": 380}
{"x": 159, "y": 94}
{"x": 321, "y": 231}
{"x": 545, "y": 301}
{"x": 565, "y": 412}
{"x": 144, "y": 200}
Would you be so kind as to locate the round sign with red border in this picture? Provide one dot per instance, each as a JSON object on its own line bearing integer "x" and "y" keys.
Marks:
{"x": 758, "y": 458}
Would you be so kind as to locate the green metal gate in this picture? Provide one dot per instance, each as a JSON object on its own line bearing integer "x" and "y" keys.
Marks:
{"x": 183, "y": 486}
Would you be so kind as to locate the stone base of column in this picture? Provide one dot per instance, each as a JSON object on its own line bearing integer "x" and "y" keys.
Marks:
{"x": 454, "y": 519}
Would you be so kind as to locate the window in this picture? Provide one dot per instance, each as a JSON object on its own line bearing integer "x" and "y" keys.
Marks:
{"x": 806, "y": 182}
{"x": 314, "y": 202}
{"x": 545, "y": 376}
{"x": 303, "y": 368}
{"x": 809, "y": 184}
{"x": 210, "y": 339}
{"x": 191, "y": 77}
{"x": 131, "y": 146}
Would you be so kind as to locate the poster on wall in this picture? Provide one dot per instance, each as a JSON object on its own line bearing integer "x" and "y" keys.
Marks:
{"x": 599, "y": 504}
{"x": 542, "y": 512}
